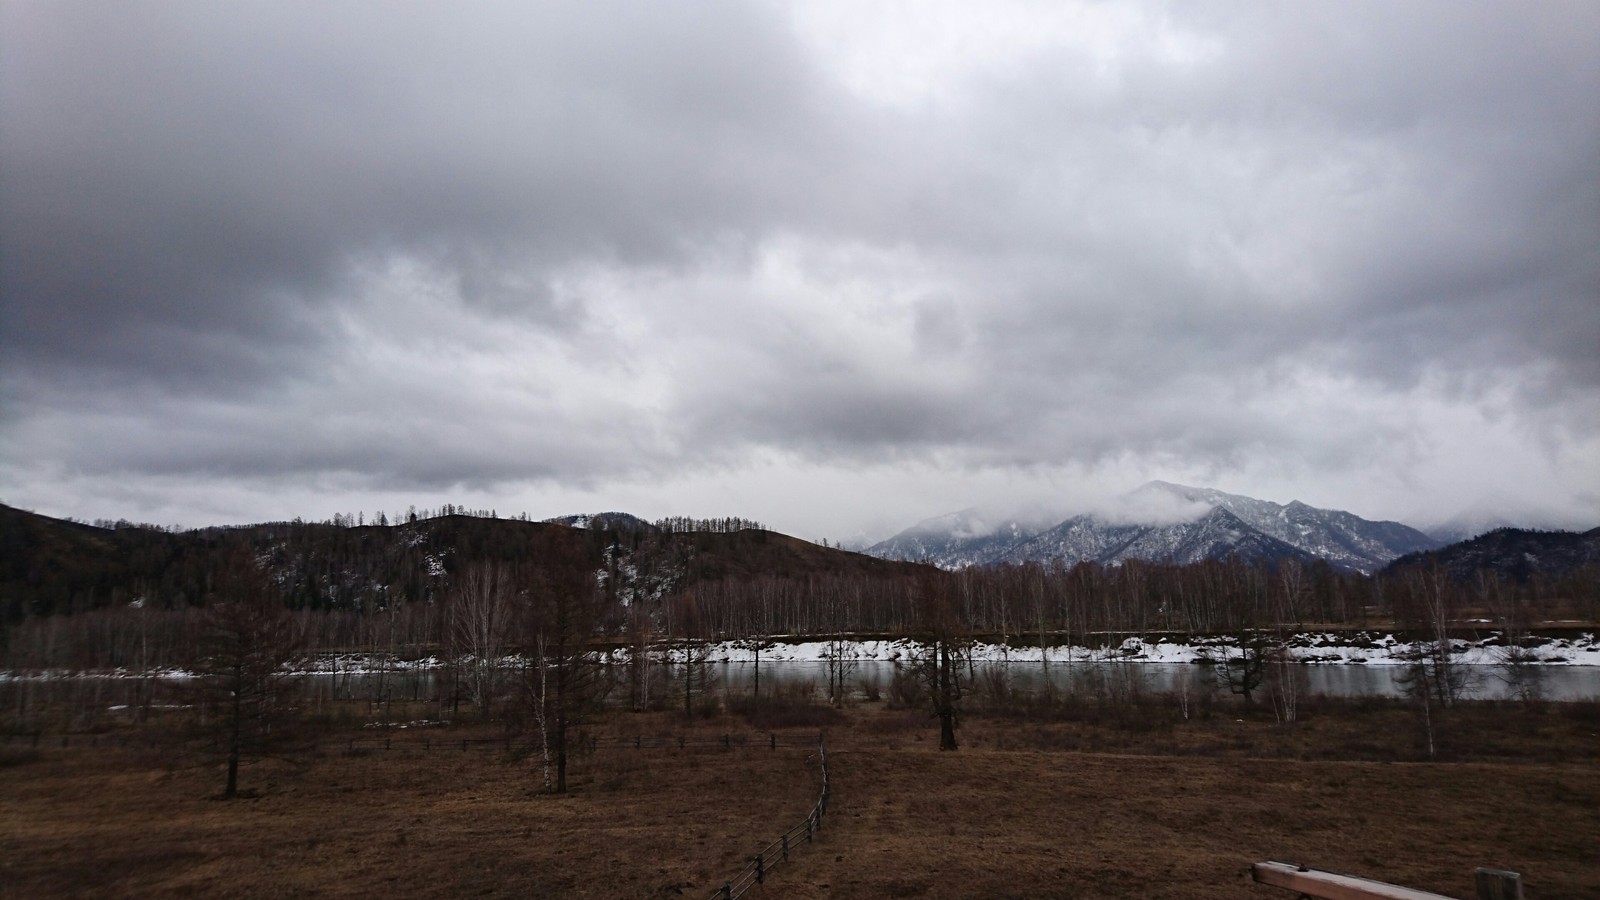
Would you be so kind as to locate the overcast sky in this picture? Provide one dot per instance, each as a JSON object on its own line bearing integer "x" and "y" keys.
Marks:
{"x": 838, "y": 266}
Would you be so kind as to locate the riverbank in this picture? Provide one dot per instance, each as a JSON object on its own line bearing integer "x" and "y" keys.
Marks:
{"x": 1367, "y": 648}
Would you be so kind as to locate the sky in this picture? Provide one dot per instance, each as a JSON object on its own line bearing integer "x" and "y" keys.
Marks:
{"x": 834, "y": 266}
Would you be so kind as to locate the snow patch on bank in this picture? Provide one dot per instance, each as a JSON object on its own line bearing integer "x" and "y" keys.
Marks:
{"x": 1311, "y": 648}
{"x": 1361, "y": 648}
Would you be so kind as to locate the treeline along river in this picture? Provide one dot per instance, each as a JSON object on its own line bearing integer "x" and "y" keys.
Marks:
{"x": 96, "y": 696}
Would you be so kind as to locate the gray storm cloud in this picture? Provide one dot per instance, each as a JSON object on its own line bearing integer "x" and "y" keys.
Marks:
{"x": 489, "y": 247}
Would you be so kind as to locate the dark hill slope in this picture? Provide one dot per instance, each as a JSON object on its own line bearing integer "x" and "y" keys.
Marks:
{"x": 52, "y": 566}
{"x": 1516, "y": 554}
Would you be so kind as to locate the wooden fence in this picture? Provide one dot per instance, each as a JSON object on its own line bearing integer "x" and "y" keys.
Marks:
{"x": 777, "y": 852}
{"x": 427, "y": 743}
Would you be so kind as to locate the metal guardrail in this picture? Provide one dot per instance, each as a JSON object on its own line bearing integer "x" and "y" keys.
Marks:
{"x": 1492, "y": 884}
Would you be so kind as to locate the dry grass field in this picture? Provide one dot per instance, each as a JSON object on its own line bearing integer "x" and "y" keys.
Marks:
{"x": 1024, "y": 809}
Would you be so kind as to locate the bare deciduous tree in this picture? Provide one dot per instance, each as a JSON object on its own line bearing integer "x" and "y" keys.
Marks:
{"x": 482, "y": 612}
{"x": 246, "y": 643}
{"x": 561, "y": 619}
{"x": 698, "y": 677}
{"x": 941, "y": 663}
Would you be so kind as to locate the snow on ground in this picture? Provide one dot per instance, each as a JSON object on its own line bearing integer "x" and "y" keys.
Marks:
{"x": 1314, "y": 648}
{"x": 1362, "y": 648}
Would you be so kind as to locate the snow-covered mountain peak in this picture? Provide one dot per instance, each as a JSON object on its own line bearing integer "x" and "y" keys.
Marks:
{"x": 1161, "y": 521}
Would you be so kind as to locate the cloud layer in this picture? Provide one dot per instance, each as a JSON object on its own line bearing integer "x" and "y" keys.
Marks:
{"x": 836, "y": 268}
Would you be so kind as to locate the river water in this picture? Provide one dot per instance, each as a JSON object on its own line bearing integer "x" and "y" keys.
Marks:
{"x": 1554, "y": 682}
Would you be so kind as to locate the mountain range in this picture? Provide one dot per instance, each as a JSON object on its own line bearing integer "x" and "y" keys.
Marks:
{"x": 1162, "y": 522}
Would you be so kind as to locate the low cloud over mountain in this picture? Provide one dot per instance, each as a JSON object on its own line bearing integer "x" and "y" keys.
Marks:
{"x": 1163, "y": 522}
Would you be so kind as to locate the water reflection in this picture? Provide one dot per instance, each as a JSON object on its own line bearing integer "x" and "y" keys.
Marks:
{"x": 85, "y": 699}
{"x": 1556, "y": 682}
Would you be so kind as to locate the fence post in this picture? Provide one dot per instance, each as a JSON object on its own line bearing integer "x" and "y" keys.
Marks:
{"x": 786, "y": 848}
{"x": 774, "y": 740}
{"x": 1498, "y": 884}
{"x": 727, "y": 891}
{"x": 808, "y": 826}
{"x": 727, "y": 743}
{"x": 386, "y": 743}
{"x": 761, "y": 870}
{"x": 680, "y": 742}
{"x": 635, "y": 742}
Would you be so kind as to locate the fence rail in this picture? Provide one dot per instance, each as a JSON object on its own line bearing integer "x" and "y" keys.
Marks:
{"x": 430, "y": 743}
{"x": 755, "y": 872}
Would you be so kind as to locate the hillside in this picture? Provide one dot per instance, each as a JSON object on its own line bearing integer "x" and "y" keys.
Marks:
{"x": 50, "y": 566}
{"x": 1515, "y": 554}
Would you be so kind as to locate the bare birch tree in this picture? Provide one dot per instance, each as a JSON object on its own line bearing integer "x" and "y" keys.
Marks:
{"x": 482, "y": 612}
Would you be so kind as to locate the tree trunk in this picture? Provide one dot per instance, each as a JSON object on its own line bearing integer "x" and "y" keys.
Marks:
{"x": 561, "y": 757}
{"x": 947, "y": 712}
{"x": 234, "y": 737}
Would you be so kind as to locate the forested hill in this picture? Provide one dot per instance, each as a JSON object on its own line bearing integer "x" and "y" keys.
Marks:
{"x": 50, "y": 566}
{"x": 1516, "y": 554}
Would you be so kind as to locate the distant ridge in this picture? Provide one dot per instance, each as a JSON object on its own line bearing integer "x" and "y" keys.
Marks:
{"x": 1516, "y": 554}
{"x": 50, "y": 565}
{"x": 1163, "y": 522}
{"x": 614, "y": 521}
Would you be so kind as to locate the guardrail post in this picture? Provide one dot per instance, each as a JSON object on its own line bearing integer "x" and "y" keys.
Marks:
{"x": 1498, "y": 884}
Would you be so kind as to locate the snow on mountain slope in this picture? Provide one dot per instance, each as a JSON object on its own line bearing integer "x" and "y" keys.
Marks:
{"x": 957, "y": 539}
{"x": 1339, "y": 537}
{"x": 1217, "y": 535}
{"x": 1164, "y": 522}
